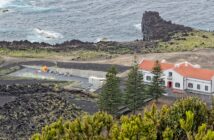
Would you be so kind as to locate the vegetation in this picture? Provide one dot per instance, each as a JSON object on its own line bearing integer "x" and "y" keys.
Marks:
{"x": 1, "y": 60}
{"x": 179, "y": 42}
{"x": 135, "y": 90}
{"x": 154, "y": 124}
{"x": 203, "y": 133}
{"x": 110, "y": 97}
{"x": 177, "y": 111}
{"x": 156, "y": 89}
{"x": 50, "y": 54}
{"x": 187, "y": 42}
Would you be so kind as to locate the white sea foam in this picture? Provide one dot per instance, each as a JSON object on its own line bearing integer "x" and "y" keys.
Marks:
{"x": 138, "y": 26}
{"x": 47, "y": 34}
{"x": 4, "y": 3}
{"x": 101, "y": 39}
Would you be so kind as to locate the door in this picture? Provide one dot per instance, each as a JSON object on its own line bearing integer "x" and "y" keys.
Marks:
{"x": 169, "y": 84}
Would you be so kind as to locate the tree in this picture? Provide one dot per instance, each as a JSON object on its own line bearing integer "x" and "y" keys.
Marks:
{"x": 156, "y": 89}
{"x": 187, "y": 119}
{"x": 134, "y": 127}
{"x": 110, "y": 97}
{"x": 178, "y": 111}
{"x": 135, "y": 92}
{"x": 203, "y": 133}
{"x": 85, "y": 127}
{"x": 187, "y": 124}
{"x": 167, "y": 134}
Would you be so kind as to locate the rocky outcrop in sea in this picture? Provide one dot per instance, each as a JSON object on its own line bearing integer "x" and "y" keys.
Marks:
{"x": 154, "y": 27}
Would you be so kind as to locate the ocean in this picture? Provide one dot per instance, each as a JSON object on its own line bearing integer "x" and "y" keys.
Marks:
{"x": 55, "y": 21}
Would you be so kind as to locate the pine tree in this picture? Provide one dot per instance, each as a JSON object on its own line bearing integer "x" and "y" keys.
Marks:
{"x": 156, "y": 87}
{"x": 110, "y": 97}
{"x": 135, "y": 93}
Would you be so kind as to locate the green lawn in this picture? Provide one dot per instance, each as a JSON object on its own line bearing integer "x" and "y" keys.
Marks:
{"x": 187, "y": 42}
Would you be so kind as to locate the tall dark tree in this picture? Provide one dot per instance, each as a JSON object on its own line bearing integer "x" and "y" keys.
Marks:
{"x": 156, "y": 89}
{"x": 110, "y": 97}
{"x": 135, "y": 92}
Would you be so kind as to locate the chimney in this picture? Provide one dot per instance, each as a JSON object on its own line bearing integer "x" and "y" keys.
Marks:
{"x": 163, "y": 61}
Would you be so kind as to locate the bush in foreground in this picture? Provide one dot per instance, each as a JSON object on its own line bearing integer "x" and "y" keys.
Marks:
{"x": 191, "y": 122}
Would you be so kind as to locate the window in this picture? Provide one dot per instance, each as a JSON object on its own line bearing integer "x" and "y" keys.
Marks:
{"x": 163, "y": 83}
{"x": 170, "y": 74}
{"x": 190, "y": 85}
{"x": 198, "y": 87}
{"x": 206, "y": 88}
{"x": 148, "y": 78}
{"x": 177, "y": 85}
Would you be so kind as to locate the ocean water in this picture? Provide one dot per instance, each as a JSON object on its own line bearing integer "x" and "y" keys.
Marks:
{"x": 55, "y": 21}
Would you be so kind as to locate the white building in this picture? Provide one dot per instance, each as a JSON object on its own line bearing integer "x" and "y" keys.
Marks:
{"x": 182, "y": 76}
{"x": 96, "y": 82}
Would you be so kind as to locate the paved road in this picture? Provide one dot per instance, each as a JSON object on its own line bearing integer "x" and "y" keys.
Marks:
{"x": 10, "y": 62}
{"x": 37, "y": 74}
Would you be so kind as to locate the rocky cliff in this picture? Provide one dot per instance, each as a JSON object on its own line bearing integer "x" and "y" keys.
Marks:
{"x": 154, "y": 27}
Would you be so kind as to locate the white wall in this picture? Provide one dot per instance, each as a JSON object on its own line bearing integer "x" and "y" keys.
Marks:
{"x": 145, "y": 74}
{"x": 96, "y": 82}
{"x": 176, "y": 78}
{"x": 212, "y": 84}
{"x": 202, "y": 84}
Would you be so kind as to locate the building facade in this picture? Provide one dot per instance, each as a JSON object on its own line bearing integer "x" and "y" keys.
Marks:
{"x": 181, "y": 77}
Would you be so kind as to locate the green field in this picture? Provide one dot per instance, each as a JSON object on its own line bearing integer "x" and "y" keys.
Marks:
{"x": 187, "y": 42}
{"x": 49, "y": 54}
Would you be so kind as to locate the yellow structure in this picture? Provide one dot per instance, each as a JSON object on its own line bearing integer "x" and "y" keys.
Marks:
{"x": 44, "y": 68}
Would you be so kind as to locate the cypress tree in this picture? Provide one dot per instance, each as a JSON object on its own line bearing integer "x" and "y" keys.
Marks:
{"x": 110, "y": 96}
{"x": 156, "y": 89}
{"x": 135, "y": 93}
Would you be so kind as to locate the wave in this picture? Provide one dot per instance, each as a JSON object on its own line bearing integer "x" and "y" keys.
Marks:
{"x": 47, "y": 34}
{"x": 4, "y": 3}
{"x": 138, "y": 26}
{"x": 101, "y": 39}
{"x": 26, "y": 6}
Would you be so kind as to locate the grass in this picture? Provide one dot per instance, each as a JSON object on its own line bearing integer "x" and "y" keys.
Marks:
{"x": 1, "y": 60}
{"x": 187, "y": 42}
{"x": 49, "y": 54}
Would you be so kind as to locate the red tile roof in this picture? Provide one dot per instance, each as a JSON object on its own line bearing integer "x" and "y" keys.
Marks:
{"x": 184, "y": 69}
{"x": 149, "y": 64}
{"x": 197, "y": 73}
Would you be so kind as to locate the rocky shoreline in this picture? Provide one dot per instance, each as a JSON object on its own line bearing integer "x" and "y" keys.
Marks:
{"x": 153, "y": 28}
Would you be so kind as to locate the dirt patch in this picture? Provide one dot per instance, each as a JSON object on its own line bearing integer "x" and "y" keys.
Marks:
{"x": 203, "y": 57}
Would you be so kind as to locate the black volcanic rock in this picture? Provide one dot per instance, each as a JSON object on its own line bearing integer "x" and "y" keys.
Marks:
{"x": 156, "y": 28}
